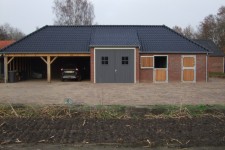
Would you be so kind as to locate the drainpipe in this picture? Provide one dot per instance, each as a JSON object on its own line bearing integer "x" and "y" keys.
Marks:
{"x": 207, "y": 67}
{"x": 223, "y": 65}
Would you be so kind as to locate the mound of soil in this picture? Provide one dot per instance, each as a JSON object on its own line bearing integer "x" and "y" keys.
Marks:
{"x": 183, "y": 132}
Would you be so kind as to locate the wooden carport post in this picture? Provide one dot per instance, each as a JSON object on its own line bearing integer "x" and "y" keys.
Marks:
{"x": 48, "y": 69}
{"x": 49, "y": 62}
{"x": 6, "y": 69}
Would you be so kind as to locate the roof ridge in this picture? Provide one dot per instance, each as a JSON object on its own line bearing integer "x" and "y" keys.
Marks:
{"x": 105, "y": 25}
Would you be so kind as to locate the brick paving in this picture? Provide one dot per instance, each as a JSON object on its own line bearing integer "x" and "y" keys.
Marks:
{"x": 85, "y": 92}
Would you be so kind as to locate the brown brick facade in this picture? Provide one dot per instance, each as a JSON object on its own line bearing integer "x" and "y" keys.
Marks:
{"x": 175, "y": 68}
{"x": 137, "y": 65}
{"x": 200, "y": 68}
{"x": 215, "y": 64}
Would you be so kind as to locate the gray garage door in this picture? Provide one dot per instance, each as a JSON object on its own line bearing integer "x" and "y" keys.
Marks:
{"x": 114, "y": 66}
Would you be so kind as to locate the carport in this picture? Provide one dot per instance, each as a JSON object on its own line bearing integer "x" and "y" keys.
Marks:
{"x": 46, "y": 50}
{"x": 22, "y": 62}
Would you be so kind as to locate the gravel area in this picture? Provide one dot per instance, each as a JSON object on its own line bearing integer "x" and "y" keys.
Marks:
{"x": 85, "y": 92}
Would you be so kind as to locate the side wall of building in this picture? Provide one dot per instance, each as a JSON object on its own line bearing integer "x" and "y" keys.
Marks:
{"x": 215, "y": 64}
{"x": 201, "y": 68}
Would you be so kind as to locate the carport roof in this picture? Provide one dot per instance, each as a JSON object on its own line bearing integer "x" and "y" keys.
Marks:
{"x": 79, "y": 39}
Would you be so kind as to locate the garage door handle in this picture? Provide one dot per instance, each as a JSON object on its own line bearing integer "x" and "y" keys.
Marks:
{"x": 115, "y": 70}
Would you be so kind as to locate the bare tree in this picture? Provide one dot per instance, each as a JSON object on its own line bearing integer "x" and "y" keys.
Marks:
{"x": 73, "y": 12}
{"x": 221, "y": 27}
{"x": 8, "y": 32}
{"x": 178, "y": 29}
{"x": 188, "y": 31}
{"x": 3, "y": 34}
{"x": 208, "y": 28}
{"x": 213, "y": 28}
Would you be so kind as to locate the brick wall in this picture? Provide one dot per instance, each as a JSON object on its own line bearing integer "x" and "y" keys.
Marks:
{"x": 215, "y": 64}
{"x": 92, "y": 64}
{"x": 137, "y": 65}
{"x": 174, "y": 67}
{"x": 200, "y": 67}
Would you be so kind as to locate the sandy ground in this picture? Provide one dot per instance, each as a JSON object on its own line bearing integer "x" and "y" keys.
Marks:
{"x": 57, "y": 92}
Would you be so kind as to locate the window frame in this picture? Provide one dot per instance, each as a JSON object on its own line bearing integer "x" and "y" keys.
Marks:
{"x": 105, "y": 61}
{"x": 125, "y": 61}
{"x": 166, "y": 61}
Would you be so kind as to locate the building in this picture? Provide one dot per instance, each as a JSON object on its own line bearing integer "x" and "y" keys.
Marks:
{"x": 216, "y": 58}
{"x": 110, "y": 53}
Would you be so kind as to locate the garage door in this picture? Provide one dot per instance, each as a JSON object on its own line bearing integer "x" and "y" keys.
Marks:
{"x": 114, "y": 65}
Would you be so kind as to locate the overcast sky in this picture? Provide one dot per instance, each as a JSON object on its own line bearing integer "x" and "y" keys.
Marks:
{"x": 29, "y": 14}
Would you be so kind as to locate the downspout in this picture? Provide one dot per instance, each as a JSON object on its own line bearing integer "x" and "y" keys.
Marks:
{"x": 223, "y": 65}
{"x": 207, "y": 67}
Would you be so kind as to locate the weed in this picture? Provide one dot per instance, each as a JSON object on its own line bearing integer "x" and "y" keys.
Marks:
{"x": 108, "y": 111}
{"x": 217, "y": 74}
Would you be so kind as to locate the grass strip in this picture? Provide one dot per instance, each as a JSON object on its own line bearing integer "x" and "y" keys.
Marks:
{"x": 109, "y": 111}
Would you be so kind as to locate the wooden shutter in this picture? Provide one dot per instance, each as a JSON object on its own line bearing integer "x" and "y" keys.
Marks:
{"x": 147, "y": 62}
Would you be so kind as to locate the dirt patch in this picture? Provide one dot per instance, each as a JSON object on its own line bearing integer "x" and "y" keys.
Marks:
{"x": 182, "y": 132}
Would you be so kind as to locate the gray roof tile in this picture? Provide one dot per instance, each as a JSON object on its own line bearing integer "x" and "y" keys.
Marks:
{"x": 211, "y": 46}
{"x": 79, "y": 39}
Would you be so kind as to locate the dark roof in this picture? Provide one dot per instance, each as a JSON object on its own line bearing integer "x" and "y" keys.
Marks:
{"x": 114, "y": 36}
{"x": 79, "y": 39}
{"x": 54, "y": 40}
{"x": 211, "y": 46}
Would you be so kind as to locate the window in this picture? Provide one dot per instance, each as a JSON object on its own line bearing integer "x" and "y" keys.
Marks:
{"x": 105, "y": 60}
{"x": 125, "y": 60}
{"x": 160, "y": 62}
{"x": 146, "y": 61}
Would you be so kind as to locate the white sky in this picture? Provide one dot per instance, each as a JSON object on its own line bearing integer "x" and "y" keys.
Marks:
{"x": 29, "y": 14}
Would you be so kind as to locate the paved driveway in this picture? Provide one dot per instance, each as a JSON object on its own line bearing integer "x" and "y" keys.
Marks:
{"x": 56, "y": 92}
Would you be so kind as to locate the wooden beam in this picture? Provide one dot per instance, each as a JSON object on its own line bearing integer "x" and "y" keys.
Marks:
{"x": 53, "y": 55}
{"x": 44, "y": 60}
{"x": 6, "y": 69}
{"x": 10, "y": 60}
{"x": 49, "y": 69}
{"x": 53, "y": 59}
